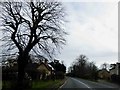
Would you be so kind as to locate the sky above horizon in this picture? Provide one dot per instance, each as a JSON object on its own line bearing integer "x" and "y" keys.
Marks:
{"x": 93, "y": 31}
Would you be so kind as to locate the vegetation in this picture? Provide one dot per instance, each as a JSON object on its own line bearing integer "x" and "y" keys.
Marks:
{"x": 33, "y": 76}
{"x": 60, "y": 69}
{"x": 115, "y": 78}
{"x": 31, "y": 27}
{"x": 83, "y": 69}
{"x": 48, "y": 84}
{"x": 36, "y": 84}
{"x": 105, "y": 66}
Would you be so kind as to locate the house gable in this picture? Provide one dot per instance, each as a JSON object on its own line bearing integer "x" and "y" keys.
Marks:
{"x": 115, "y": 69}
{"x": 44, "y": 69}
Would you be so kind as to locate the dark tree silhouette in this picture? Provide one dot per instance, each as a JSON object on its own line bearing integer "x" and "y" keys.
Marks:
{"x": 82, "y": 61}
{"x": 32, "y": 27}
{"x": 83, "y": 68}
{"x": 58, "y": 66}
{"x": 59, "y": 69}
{"x": 105, "y": 66}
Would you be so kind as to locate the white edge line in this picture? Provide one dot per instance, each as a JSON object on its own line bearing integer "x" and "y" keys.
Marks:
{"x": 94, "y": 83}
{"x": 81, "y": 83}
{"x": 63, "y": 84}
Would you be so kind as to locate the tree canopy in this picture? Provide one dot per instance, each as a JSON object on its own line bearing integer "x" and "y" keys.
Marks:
{"x": 33, "y": 26}
{"x": 83, "y": 68}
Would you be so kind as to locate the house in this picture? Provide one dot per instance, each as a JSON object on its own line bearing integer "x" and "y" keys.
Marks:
{"x": 40, "y": 70}
{"x": 46, "y": 70}
{"x": 115, "y": 72}
{"x": 104, "y": 74}
{"x": 32, "y": 71}
{"x": 115, "y": 69}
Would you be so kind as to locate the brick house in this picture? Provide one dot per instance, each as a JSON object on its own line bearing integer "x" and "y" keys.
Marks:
{"x": 40, "y": 70}
{"x": 104, "y": 74}
{"x": 115, "y": 69}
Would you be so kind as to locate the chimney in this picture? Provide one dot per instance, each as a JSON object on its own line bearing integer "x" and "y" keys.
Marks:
{"x": 56, "y": 61}
{"x": 46, "y": 61}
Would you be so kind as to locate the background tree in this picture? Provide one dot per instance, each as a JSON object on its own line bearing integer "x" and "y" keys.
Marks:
{"x": 83, "y": 68}
{"x": 81, "y": 65}
{"x": 32, "y": 27}
{"x": 59, "y": 69}
{"x": 105, "y": 66}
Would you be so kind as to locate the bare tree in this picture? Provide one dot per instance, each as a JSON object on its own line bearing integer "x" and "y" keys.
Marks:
{"x": 83, "y": 68}
{"x": 32, "y": 27}
{"x": 105, "y": 66}
{"x": 82, "y": 59}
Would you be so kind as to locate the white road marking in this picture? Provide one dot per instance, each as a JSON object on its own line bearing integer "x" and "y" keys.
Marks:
{"x": 94, "y": 83}
{"x": 81, "y": 83}
{"x": 63, "y": 84}
{"x": 85, "y": 84}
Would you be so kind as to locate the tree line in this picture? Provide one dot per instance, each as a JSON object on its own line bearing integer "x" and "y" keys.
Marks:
{"x": 83, "y": 68}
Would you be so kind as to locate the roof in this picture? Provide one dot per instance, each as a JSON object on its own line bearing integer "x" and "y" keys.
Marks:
{"x": 50, "y": 66}
{"x": 114, "y": 66}
{"x": 47, "y": 66}
{"x": 103, "y": 70}
{"x": 118, "y": 63}
{"x": 29, "y": 67}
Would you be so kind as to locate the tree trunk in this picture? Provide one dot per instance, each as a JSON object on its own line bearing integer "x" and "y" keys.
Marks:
{"x": 22, "y": 62}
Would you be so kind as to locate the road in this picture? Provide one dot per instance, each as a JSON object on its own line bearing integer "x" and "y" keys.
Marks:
{"x": 81, "y": 84}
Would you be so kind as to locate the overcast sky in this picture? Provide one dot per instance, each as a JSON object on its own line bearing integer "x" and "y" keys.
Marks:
{"x": 93, "y": 31}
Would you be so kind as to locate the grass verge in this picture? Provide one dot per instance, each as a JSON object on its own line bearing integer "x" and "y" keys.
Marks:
{"x": 48, "y": 84}
{"x": 37, "y": 84}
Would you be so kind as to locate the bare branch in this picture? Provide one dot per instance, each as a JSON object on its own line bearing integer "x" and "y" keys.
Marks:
{"x": 33, "y": 23}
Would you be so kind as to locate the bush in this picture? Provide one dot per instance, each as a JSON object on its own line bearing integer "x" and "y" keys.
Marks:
{"x": 115, "y": 78}
{"x": 59, "y": 75}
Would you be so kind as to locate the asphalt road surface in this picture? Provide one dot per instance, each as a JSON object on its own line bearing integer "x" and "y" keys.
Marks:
{"x": 81, "y": 84}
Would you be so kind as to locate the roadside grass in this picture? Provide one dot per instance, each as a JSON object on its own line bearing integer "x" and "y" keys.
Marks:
{"x": 36, "y": 84}
{"x": 0, "y": 84}
{"x": 6, "y": 84}
{"x": 48, "y": 84}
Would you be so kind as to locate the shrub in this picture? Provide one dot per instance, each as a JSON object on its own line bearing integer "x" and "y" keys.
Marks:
{"x": 59, "y": 75}
{"x": 115, "y": 78}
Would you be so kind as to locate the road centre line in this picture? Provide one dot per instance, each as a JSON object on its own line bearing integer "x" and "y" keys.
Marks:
{"x": 96, "y": 83}
{"x": 102, "y": 84}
